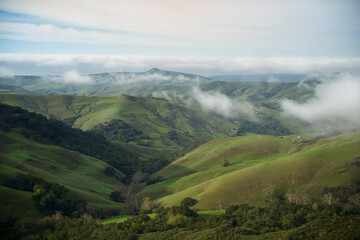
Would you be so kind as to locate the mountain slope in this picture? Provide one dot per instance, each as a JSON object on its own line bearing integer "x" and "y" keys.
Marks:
{"x": 259, "y": 166}
{"x": 261, "y": 77}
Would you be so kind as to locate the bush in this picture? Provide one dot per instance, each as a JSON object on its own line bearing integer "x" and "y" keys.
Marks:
{"x": 117, "y": 196}
{"x": 188, "y": 202}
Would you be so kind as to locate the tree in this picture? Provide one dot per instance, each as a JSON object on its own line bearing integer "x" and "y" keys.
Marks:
{"x": 132, "y": 203}
{"x": 109, "y": 171}
{"x": 147, "y": 205}
{"x": 117, "y": 196}
{"x": 188, "y": 202}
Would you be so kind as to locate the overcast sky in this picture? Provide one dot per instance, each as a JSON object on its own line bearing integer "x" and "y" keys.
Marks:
{"x": 203, "y": 36}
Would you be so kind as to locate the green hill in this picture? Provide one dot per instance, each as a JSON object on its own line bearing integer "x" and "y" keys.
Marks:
{"x": 255, "y": 167}
{"x": 13, "y": 90}
{"x": 82, "y": 174}
{"x": 155, "y": 124}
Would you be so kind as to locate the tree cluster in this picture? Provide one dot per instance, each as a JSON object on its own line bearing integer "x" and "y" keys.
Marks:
{"x": 117, "y": 130}
{"x": 48, "y": 197}
{"x": 278, "y": 219}
{"x": 266, "y": 126}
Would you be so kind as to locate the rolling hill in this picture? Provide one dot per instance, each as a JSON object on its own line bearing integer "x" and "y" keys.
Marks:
{"x": 82, "y": 174}
{"x": 256, "y": 166}
{"x": 155, "y": 124}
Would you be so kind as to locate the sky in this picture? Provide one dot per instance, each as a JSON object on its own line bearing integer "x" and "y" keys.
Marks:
{"x": 205, "y": 37}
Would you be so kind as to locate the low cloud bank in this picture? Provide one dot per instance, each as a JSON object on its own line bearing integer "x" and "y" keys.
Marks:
{"x": 335, "y": 106}
{"x": 52, "y": 63}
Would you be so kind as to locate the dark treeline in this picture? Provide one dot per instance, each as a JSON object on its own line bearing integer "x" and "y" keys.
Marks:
{"x": 117, "y": 130}
{"x": 52, "y": 131}
{"x": 266, "y": 126}
{"x": 48, "y": 197}
{"x": 278, "y": 219}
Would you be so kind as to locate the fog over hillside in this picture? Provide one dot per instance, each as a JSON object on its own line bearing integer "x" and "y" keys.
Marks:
{"x": 335, "y": 106}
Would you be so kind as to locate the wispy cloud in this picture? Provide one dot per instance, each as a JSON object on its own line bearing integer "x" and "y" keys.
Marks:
{"x": 52, "y": 33}
{"x": 335, "y": 106}
{"x": 283, "y": 27}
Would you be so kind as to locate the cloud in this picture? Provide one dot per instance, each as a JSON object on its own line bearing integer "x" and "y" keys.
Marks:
{"x": 151, "y": 78}
{"x": 4, "y": 72}
{"x": 199, "y": 65}
{"x": 273, "y": 80}
{"x": 52, "y": 33}
{"x": 74, "y": 77}
{"x": 221, "y": 104}
{"x": 163, "y": 94}
{"x": 241, "y": 24}
{"x": 335, "y": 106}
{"x": 70, "y": 77}
{"x": 133, "y": 78}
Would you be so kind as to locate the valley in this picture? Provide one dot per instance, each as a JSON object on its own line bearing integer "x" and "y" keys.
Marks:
{"x": 144, "y": 153}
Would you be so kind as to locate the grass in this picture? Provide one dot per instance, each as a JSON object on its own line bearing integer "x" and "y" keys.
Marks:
{"x": 122, "y": 218}
{"x": 254, "y": 173}
{"x": 83, "y": 175}
{"x": 210, "y": 212}
{"x": 154, "y": 117}
{"x": 206, "y": 162}
{"x": 17, "y": 203}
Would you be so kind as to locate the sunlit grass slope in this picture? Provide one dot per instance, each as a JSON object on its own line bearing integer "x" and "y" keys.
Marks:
{"x": 83, "y": 175}
{"x": 259, "y": 165}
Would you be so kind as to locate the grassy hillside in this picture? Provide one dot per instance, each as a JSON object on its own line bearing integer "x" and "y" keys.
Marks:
{"x": 163, "y": 125}
{"x": 13, "y": 90}
{"x": 259, "y": 92}
{"x": 17, "y": 203}
{"x": 258, "y": 166}
{"x": 81, "y": 174}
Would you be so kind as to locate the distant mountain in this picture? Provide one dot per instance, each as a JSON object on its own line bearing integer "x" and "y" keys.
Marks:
{"x": 154, "y": 82}
{"x": 261, "y": 91}
{"x": 99, "y": 84}
{"x": 152, "y": 76}
{"x": 261, "y": 77}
